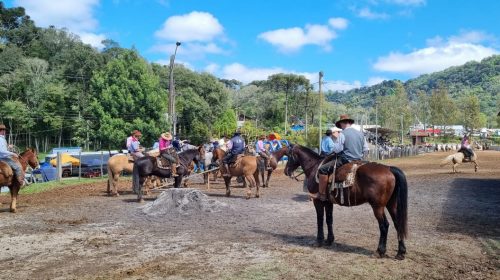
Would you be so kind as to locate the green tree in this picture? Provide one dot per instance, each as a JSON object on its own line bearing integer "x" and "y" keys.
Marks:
{"x": 226, "y": 124}
{"x": 470, "y": 113}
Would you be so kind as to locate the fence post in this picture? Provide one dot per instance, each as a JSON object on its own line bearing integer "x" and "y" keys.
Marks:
{"x": 102, "y": 159}
{"x": 59, "y": 166}
{"x": 80, "y": 165}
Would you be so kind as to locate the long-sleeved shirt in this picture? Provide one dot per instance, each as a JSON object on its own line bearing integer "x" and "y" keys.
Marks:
{"x": 260, "y": 147}
{"x": 351, "y": 143}
{"x": 165, "y": 144}
{"x": 134, "y": 145}
{"x": 327, "y": 145}
{"x": 4, "y": 152}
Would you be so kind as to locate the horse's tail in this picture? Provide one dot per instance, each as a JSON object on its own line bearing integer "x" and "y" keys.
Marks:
{"x": 401, "y": 191}
{"x": 447, "y": 160}
{"x": 136, "y": 186}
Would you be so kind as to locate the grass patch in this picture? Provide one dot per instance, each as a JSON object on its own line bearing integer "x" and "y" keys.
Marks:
{"x": 43, "y": 187}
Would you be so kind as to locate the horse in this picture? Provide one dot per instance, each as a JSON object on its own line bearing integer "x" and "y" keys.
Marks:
{"x": 28, "y": 157}
{"x": 247, "y": 167}
{"x": 380, "y": 185}
{"x": 147, "y": 166}
{"x": 119, "y": 163}
{"x": 274, "y": 159}
{"x": 457, "y": 158}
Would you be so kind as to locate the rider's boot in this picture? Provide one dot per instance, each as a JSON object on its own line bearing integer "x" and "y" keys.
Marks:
{"x": 323, "y": 183}
{"x": 174, "y": 170}
{"x": 21, "y": 181}
{"x": 267, "y": 162}
{"x": 226, "y": 170}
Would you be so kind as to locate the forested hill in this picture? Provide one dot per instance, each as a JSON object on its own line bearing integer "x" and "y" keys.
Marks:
{"x": 481, "y": 78}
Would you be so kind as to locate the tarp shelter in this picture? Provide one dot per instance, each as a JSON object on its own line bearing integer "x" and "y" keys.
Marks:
{"x": 66, "y": 159}
{"x": 273, "y": 136}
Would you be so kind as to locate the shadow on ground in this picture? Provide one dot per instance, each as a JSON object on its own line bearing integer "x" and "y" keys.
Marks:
{"x": 472, "y": 207}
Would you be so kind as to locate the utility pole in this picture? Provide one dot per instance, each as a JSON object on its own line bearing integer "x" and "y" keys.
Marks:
{"x": 320, "y": 107}
{"x": 171, "y": 91}
{"x": 376, "y": 129}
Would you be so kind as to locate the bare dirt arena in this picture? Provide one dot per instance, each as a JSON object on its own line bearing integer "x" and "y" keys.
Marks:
{"x": 80, "y": 233}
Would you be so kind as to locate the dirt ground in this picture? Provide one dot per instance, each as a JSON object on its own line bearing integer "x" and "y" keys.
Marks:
{"x": 80, "y": 233}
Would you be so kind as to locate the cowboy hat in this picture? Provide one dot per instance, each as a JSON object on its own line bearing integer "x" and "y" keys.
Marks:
{"x": 344, "y": 118}
{"x": 166, "y": 136}
{"x": 3, "y": 127}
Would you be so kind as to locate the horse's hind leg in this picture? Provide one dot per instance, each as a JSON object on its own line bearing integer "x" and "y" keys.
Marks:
{"x": 269, "y": 172}
{"x": 392, "y": 208}
{"x": 14, "y": 190}
{"x": 475, "y": 166}
{"x": 250, "y": 185}
{"x": 383, "y": 225}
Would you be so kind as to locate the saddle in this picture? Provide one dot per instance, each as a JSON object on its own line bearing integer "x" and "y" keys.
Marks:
{"x": 162, "y": 163}
{"x": 236, "y": 161}
{"x": 345, "y": 177}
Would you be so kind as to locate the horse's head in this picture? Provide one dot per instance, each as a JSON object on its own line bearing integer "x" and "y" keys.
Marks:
{"x": 292, "y": 164}
{"x": 30, "y": 156}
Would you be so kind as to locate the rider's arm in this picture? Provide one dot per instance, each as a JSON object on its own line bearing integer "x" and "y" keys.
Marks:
{"x": 4, "y": 152}
{"x": 229, "y": 145}
{"x": 338, "y": 145}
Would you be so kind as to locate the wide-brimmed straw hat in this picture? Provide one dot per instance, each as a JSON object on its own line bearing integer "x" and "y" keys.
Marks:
{"x": 344, "y": 118}
{"x": 166, "y": 136}
{"x": 3, "y": 127}
{"x": 335, "y": 129}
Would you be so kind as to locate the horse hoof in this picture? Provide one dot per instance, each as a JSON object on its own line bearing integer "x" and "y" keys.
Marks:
{"x": 13, "y": 210}
{"x": 257, "y": 195}
{"x": 140, "y": 200}
{"x": 381, "y": 255}
{"x": 228, "y": 194}
{"x": 400, "y": 257}
{"x": 114, "y": 194}
{"x": 318, "y": 244}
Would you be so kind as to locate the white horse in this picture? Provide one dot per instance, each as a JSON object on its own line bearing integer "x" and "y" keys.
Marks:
{"x": 457, "y": 158}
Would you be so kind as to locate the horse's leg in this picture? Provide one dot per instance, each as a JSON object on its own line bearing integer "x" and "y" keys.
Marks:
{"x": 139, "y": 192}
{"x": 262, "y": 175}
{"x": 269, "y": 172}
{"x": 475, "y": 166}
{"x": 114, "y": 182}
{"x": 227, "y": 181}
{"x": 329, "y": 223}
{"x": 251, "y": 184}
{"x": 383, "y": 225}
{"x": 14, "y": 190}
{"x": 392, "y": 208}
{"x": 257, "y": 184}
{"x": 319, "y": 206}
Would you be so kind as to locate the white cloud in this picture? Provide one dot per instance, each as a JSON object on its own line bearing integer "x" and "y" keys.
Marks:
{"x": 375, "y": 81}
{"x": 76, "y": 16}
{"x": 212, "y": 68}
{"x": 407, "y": 2}
{"x": 440, "y": 55}
{"x": 338, "y": 23}
{"x": 195, "y": 26}
{"x": 293, "y": 39}
{"x": 339, "y": 85}
{"x": 368, "y": 14}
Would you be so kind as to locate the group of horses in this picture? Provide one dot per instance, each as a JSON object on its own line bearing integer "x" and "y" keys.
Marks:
{"x": 382, "y": 186}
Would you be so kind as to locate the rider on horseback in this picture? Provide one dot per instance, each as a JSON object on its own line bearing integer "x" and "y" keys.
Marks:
{"x": 261, "y": 151}
{"x": 235, "y": 147}
{"x": 348, "y": 146}
{"x": 133, "y": 145}
{"x": 168, "y": 152}
{"x": 465, "y": 148}
{"x": 9, "y": 157}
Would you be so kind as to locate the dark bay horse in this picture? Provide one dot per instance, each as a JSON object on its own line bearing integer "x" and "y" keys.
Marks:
{"x": 7, "y": 178}
{"x": 247, "y": 168}
{"x": 147, "y": 166}
{"x": 275, "y": 158}
{"x": 380, "y": 185}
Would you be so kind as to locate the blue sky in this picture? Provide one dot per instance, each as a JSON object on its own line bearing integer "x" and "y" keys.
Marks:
{"x": 355, "y": 43}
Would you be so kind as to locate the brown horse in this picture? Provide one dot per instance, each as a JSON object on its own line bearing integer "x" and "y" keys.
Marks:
{"x": 28, "y": 157}
{"x": 118, "y": 164}
{"x": 275, "y": 158}
{"x": 247, "y": 168}
{"x": 380, "y": 185}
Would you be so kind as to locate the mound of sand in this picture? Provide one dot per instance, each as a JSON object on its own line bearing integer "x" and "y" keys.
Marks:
{"x": 183, "y": 201}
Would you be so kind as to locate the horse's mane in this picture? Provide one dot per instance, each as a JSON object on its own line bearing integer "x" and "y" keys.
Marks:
{"x": 188, "y": 153}
{"x": 308, "y": 151}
